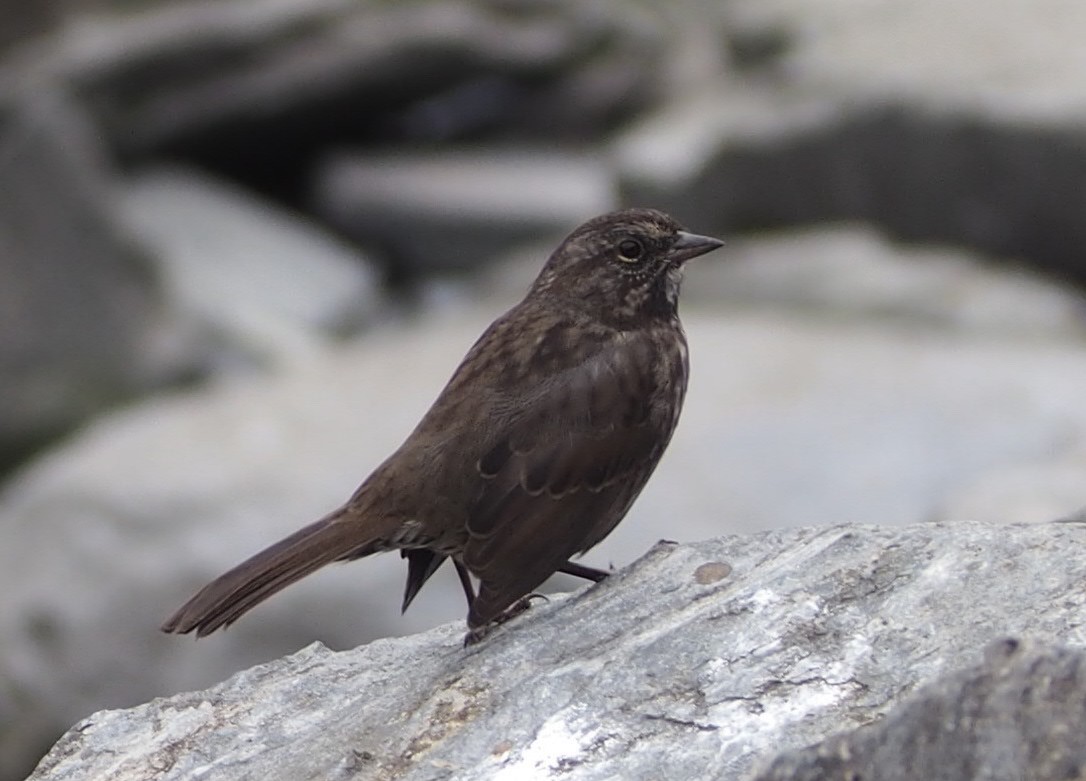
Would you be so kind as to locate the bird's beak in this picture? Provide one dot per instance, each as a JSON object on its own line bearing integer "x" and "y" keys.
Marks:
{"x": 690, "y": 245}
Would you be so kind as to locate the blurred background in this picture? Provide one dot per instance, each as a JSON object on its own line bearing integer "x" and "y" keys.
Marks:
{"x": 243, "y": 244}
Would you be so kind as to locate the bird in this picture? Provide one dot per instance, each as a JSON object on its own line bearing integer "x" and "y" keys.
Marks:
{"x": 535, "y": 449}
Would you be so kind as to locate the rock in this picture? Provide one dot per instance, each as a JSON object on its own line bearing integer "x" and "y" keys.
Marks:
{"x": 208, "y": 78}
{"x": 853, "y": 272}
{"x": 456, "y": 210}
{"x": 20, "y": 22}
{"x": 949, "y": 125}
{"x": 1034, "y": 490}
{"x": 787, "y": 417}
{"x": 700, "y": 660}
{"x": 1014, "y": 716}
{"x": 261, "y": 283}
{"x": 83, "y": 325}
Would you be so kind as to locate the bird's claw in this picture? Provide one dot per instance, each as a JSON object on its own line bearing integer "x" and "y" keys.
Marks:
{"x": 476, "y": 634}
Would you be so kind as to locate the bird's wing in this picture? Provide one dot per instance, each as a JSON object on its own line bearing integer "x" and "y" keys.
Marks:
{"x": 563, "y": 470}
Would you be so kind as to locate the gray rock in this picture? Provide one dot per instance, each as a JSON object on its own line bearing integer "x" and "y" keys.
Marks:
{"x": 853, "y": 272}
{"x": 297, "y": 74}
{"x": 20, "y": 22}
{"x": 456, "y": 210}
{"x": 1017, "y": 715}
{"x": 858, "y": 422}
{"x": 939, "y": 122}
{"x": 81, "y": 320}
{"x": 697, "y": 662}
{"x": 1033, "y": 490}
{"x": 258, "y": 281}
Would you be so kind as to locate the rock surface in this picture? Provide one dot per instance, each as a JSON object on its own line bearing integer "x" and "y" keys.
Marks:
{"x": 1017, "y": 715}
{"x": 258, "y": 283}
{"x": 853, "y": 272}
{"x": 457, "y": 210}
{"x": 211, "y": 77}
{"x": 79, "y": 311}
{"x": 699, "y": 661}
{"x": 934, "y": 120}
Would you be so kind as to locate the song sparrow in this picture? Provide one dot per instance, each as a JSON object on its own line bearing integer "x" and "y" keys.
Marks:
{"x": 535, "y": 449}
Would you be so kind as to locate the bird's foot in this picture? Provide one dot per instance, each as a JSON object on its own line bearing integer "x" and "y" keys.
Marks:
{"x": 476, "y": 634}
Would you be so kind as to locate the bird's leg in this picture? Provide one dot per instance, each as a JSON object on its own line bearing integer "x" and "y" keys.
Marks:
{"x": 465, "y": 582}
{"x": 581, "y": 571}
{"x": 522, "y": 604}
{"x": 478, "y": 633}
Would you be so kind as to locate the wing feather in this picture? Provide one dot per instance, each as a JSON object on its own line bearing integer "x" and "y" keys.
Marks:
{"x": 565, "y": 469}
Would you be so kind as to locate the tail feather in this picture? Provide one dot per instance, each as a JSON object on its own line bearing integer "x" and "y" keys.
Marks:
{"x": 421, "y": 564}
{"x": 233, "y": 594}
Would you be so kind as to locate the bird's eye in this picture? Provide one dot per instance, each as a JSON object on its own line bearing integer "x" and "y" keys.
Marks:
{"x": 630, "y": 249}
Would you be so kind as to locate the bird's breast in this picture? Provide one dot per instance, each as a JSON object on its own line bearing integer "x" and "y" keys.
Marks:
{"x": 671, "y": 369}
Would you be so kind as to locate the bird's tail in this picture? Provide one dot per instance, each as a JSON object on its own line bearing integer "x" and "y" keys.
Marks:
{"x": 233, "y": 594}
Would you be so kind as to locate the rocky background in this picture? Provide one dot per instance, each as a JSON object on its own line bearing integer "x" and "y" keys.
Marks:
{"x": 243, "y": 243}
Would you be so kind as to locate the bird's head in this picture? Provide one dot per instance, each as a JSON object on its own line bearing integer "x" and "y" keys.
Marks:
{"x": 626, "y": 264}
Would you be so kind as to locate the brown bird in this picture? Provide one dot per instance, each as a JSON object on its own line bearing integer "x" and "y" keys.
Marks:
{"x": 533, "y": 452}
